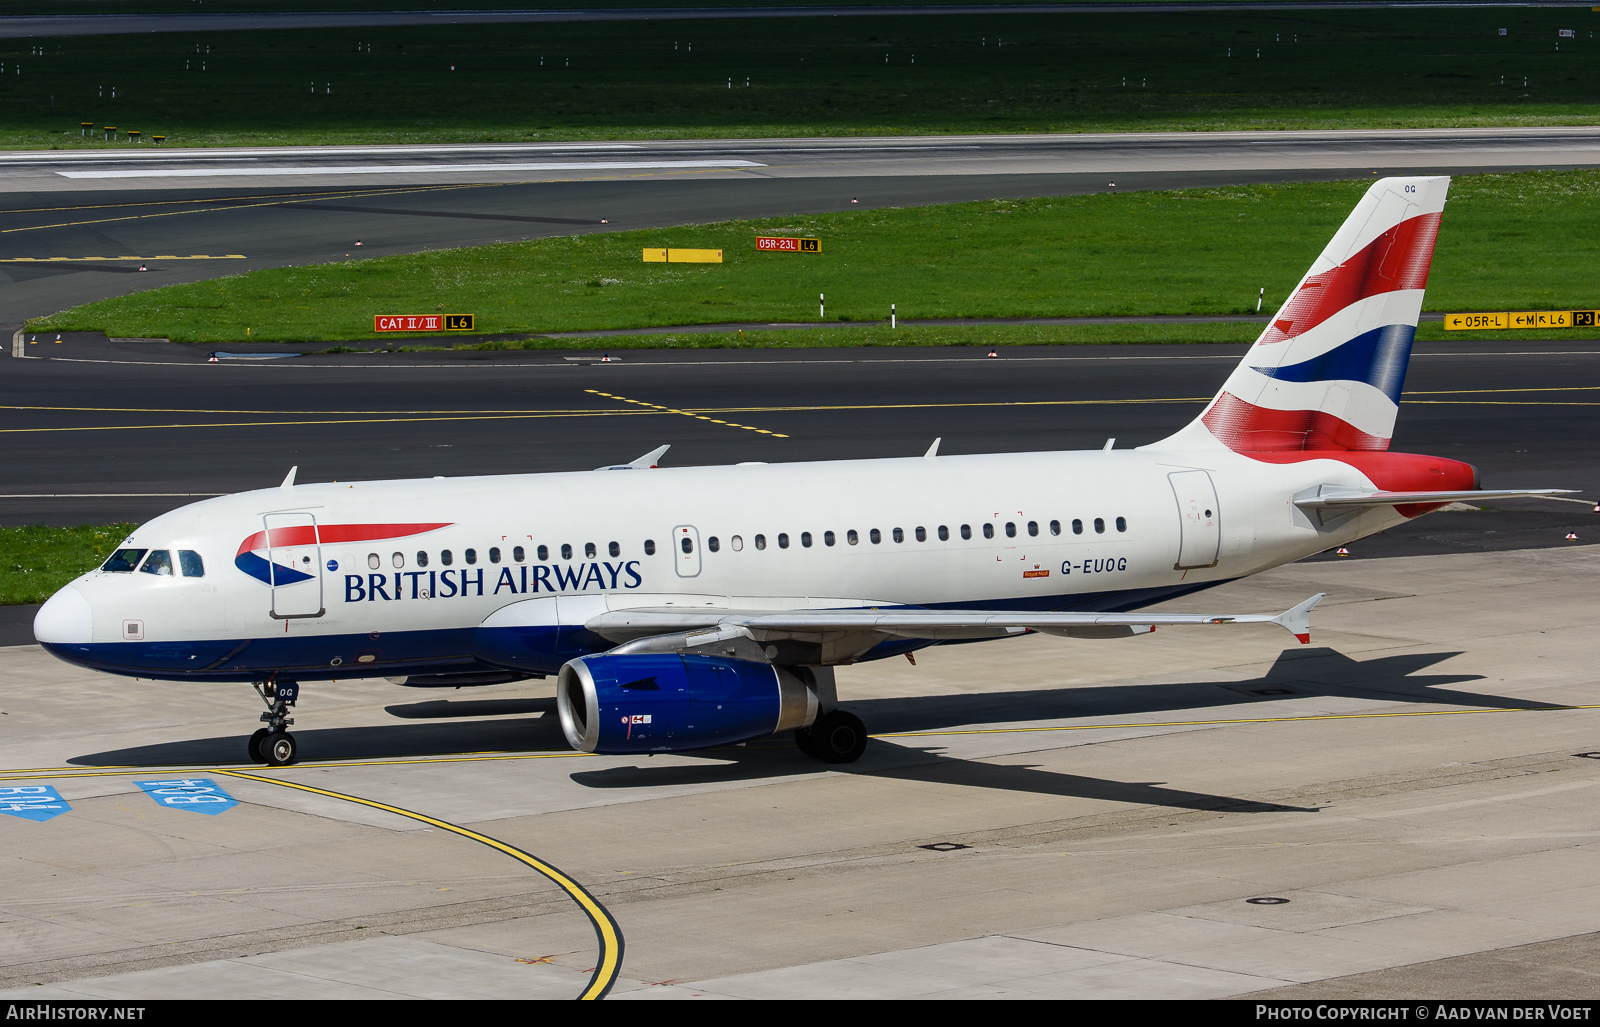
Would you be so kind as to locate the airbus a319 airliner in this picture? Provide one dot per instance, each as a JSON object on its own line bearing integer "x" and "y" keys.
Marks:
{"x": 703, "y": 606}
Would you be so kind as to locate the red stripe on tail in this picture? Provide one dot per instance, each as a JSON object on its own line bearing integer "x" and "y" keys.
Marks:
{"x": 1397, "y": 259}
{"x": 1246, "y": 428}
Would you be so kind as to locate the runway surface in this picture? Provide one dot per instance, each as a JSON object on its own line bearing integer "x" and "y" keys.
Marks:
{"x": 187, "y": 215}
{"x": 151, "y": 422}
{"x": 1036, "y": 817}
{"x": 16, "y": 27}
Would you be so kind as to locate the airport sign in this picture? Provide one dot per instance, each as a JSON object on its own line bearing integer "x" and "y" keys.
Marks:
{"x": 776, "y": 244}
{"x": 1521, "y": 319}
{"x": 423, "y": 322}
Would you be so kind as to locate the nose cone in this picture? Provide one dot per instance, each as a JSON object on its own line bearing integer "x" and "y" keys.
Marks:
{"x": 65, "y": 619}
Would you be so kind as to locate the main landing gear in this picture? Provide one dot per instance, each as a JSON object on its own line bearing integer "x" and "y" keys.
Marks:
{"x": 273, "y": 744}
{"x": 834, "y": 737}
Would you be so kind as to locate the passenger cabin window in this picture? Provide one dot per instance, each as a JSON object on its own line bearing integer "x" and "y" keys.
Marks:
{"x": 944, "y": 533}
{"x": 544, "y": 552}
{"x": 588, "y": 550}
{"x": 124, "y": 560}
{"x": 805, "y": 539}
{"x": 737, "y": 542}
{"x": 827, "y": 538}
{"x": 922, "y": 533}
{"x": 374, "y": 561}
{"x": 1122, "y": 524}
{"x": 614, "y": 548}
{"x": 518, "y": 554}
{"x": 1011, "y": 529}
{"x": 899, "y": 535}
{"x": 1099, "y": 525}
{"x": 445, "y": 557}
{"x": 566, "y": 550}
{"x": 422, "y": 559}
{"x": 1055, "y": 527}
{"x": 1077, "y": 526}
{"x": 649, "y": 548}
{"x": 686, "y": 544}
{"x": 712, "y": 543}
{"x": 988, "y": 531}
{"x": 761, "y": 541}
{"x": 191, "y": 564}
{"x": 966, "y": 531}
{"x": 158, "y": 562}
{"x": 494, "y": 554}
{"x": 851, "y": 537}
{"x": 783, "y": 540}
{"x": 398, "y": 559}
{"x": 471, "y": 555}
{"x": 1033, "y": 528}
{"x": 875, "y": 536}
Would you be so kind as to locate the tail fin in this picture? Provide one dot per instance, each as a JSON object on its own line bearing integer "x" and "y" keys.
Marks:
{"x": 1327, "y": 372}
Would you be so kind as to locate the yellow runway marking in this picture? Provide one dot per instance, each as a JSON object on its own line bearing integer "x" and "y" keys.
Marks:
{"x": 353, "y": 420}
{"x": 688, "y": 413}
{"x": 698, "y": 413}
{"x": 273, "y": 202}
{"x": 466, "y": 757}
{"x": 606, "y": 932}
{"x": 1219, "y": 723}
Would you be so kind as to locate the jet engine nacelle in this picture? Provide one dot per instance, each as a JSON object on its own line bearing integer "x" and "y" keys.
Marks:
{"x": 670, "y": 702}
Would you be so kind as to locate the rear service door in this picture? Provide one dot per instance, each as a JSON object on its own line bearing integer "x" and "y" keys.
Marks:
{"x": 1199, "y": 518}
{"x": 686, "y": 550}
{"x": 295, "y": 561}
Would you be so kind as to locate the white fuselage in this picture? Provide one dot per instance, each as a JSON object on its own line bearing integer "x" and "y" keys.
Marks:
{"x": 987, "y": 531}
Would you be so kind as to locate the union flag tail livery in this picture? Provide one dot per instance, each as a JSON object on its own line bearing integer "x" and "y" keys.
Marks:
{"x": 691, "y": 607}
{"x": 1326, "y": 373}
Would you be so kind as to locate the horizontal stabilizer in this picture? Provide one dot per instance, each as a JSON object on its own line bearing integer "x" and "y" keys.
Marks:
{"x": 1342, "y": 498}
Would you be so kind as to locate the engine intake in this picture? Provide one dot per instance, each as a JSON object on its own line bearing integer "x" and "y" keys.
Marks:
{"x": 671, "y": 702}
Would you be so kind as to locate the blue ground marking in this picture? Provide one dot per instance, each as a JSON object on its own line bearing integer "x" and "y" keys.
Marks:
{"x": 198, "y": 794}
{"x": 32, "y": 802}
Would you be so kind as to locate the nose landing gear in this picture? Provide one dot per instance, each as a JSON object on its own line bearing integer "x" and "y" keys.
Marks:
{"x": 273, "y": 744}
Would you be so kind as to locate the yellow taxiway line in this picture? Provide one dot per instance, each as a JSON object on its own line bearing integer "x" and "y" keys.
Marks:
{"x": 607, "y": 934}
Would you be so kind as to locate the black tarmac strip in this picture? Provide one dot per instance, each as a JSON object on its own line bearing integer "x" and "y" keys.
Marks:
{"x": 283, "y": 227}
{"x": 115, "y": 24}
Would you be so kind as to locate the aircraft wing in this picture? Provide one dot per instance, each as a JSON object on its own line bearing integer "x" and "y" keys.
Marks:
{"x": 686, "y": 630}
{"x": 1343, "y": 498}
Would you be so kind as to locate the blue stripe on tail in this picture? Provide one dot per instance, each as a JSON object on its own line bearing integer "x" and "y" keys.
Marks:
{"x": 1378, "y": 357}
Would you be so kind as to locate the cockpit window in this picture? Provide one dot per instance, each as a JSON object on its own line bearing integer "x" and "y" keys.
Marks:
{"x": 191, "y": 564}
{"x": 124, "y": 560}
{"x": 159, "y": 562}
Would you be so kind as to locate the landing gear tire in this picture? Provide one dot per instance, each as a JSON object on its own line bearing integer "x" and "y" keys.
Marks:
{"x": 806, "y": 742}
{"x": 279, "y": 749}
{"x": 839, "y": 737}
{"x": 255, "y": 746}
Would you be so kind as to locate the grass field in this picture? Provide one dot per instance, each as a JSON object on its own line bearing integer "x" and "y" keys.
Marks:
{"x": 978, "y": 73}
{"x": 1516, "y": 241}
{"x": 35, "y": 561}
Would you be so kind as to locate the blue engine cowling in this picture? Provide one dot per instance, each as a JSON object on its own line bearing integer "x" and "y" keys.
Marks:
{"x": 670, "y": 702}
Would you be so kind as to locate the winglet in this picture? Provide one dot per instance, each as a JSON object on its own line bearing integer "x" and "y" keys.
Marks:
{"x": 933, "y": 450}
{"x": 643, "y": 463}
{"x": 1297, "y": 621}
{"x": 288, "y": 479}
